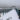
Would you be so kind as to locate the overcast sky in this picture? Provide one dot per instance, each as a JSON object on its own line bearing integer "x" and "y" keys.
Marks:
{"x": 18, "y": 4}
{"x": 7, "y": 2}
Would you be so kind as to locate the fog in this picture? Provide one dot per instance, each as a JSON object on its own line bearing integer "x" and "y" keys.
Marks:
{"x": 10, "y": 3}
{"x": 7, "y": 3}
{"x": 18, "y": 4}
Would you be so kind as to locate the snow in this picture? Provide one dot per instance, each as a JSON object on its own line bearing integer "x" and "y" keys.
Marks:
{"x": 12, "y": 14}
